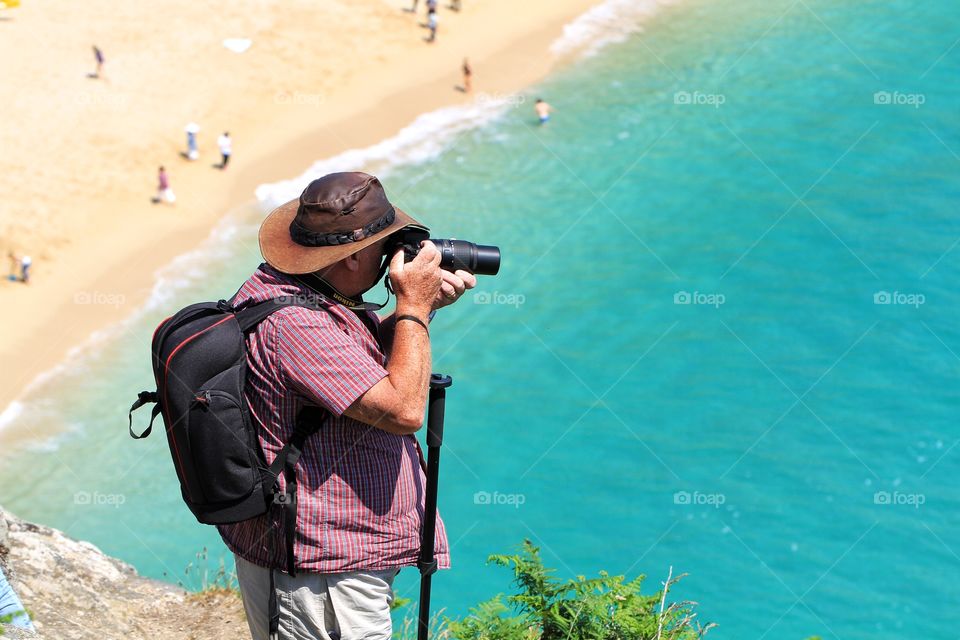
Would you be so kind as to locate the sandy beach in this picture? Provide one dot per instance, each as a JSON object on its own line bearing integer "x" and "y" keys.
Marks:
{"x": 80, "y": 155}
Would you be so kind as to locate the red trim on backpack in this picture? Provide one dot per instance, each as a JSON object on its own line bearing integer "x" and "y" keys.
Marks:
{"x": 157, "y": 330}
{"x": 166, "y": 369}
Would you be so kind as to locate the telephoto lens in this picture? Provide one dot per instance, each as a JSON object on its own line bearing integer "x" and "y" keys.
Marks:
{"x": 481, "y": 259}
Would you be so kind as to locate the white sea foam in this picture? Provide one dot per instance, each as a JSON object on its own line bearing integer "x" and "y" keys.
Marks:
{"x": 36, "y": 411}
{"x": 75, "y": 361}
{"x": 607, "y": 23}
{"x": 13, "y": 411}
{"x": 189, "y": 269}
{"x": 425, "y": 138}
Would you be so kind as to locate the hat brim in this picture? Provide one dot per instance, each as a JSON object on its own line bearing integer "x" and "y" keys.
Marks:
{"x": 283, "y": 254}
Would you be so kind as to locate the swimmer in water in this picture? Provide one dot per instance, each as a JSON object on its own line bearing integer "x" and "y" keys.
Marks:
{"x": 543, "y": 110}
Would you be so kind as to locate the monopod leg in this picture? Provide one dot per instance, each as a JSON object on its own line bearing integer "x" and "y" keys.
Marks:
{"x": 427, "y": 562}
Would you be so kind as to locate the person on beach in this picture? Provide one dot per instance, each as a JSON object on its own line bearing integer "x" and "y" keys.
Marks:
{"x": 192, "y": 130}
{"x": 365, "y": 378}
{"x": 455, "y": 5}
{"x": 467, "y": 76}
{"x": 25, "y": 264}
{"x": 226, "y": 148}
{"x": 543, "y": 110}
{"x": 432, "y": 24}
{"x": 98, "y": 56}
{"x": 164, "y": 192}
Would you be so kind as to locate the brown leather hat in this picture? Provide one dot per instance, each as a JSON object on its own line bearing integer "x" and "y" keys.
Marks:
{"x": 335, "y": 216}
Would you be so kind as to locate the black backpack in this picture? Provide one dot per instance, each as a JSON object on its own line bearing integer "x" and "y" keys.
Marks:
{"x": 200, "y": 365}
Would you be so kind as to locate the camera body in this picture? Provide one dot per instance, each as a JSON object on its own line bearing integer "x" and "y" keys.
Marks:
{"x": 454, "y": 254}
{"x": 409, "y": 240}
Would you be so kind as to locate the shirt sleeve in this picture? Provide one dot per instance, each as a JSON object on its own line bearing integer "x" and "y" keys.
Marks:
{"x": 323, "y": 362}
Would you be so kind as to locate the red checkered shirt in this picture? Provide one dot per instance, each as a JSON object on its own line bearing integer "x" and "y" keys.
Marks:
{"x": 360, "y": 496}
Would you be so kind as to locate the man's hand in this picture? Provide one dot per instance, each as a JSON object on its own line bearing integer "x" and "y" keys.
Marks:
{"x": 418, "y": 283}
{"x": 453, "y": 286}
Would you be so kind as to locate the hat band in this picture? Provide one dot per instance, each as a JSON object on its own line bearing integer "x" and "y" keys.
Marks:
{"x": 307, "y": 238}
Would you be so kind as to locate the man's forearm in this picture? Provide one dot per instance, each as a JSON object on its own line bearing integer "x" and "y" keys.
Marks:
{"x": 388, "y": 324}
{"x": 386, "y": 329}
{"x": 409, "y": 361}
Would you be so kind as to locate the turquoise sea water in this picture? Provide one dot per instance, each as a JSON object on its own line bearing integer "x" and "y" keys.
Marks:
{"x": 785, "y": 438}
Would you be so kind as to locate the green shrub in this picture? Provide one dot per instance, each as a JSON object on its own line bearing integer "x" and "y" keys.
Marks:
{"x": 603, "y": 608}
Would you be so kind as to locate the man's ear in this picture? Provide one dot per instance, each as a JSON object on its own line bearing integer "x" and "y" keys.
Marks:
{"x": 352, "y": 262}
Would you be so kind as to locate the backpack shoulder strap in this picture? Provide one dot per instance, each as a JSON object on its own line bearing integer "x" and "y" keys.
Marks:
{"x": 250, "y": 316}
{"x": 309, "y": 421}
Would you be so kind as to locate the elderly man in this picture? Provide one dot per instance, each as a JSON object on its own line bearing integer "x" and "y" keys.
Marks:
{"x": 361, "y": 475}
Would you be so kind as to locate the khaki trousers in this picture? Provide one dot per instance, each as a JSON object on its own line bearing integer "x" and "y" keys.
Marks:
{"x": 319, "y": 606}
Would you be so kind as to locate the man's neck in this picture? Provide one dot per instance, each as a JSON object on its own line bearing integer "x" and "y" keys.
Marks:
{"x": 328, "y": 289}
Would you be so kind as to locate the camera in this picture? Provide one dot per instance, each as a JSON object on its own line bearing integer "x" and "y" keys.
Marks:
{"x": 454, "y": 254}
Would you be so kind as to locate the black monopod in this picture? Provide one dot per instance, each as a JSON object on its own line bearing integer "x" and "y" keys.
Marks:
{"x": 427, "y": 563}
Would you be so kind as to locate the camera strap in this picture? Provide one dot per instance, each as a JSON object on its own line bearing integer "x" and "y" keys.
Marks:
{"x": 324, "y": 288}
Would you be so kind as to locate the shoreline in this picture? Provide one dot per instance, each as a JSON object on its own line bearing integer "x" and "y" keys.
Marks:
{"x": 278, "y": 139}
{"x": 115, "y": 273}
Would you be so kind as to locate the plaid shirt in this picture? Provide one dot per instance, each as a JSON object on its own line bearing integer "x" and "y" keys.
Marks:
{"x": 360, "y": 497}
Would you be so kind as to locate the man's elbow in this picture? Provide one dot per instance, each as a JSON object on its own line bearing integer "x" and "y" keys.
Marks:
{"x": 385, "y": 408}
{"x": 400, "y": 422}
{"x": 408, "y": 422}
